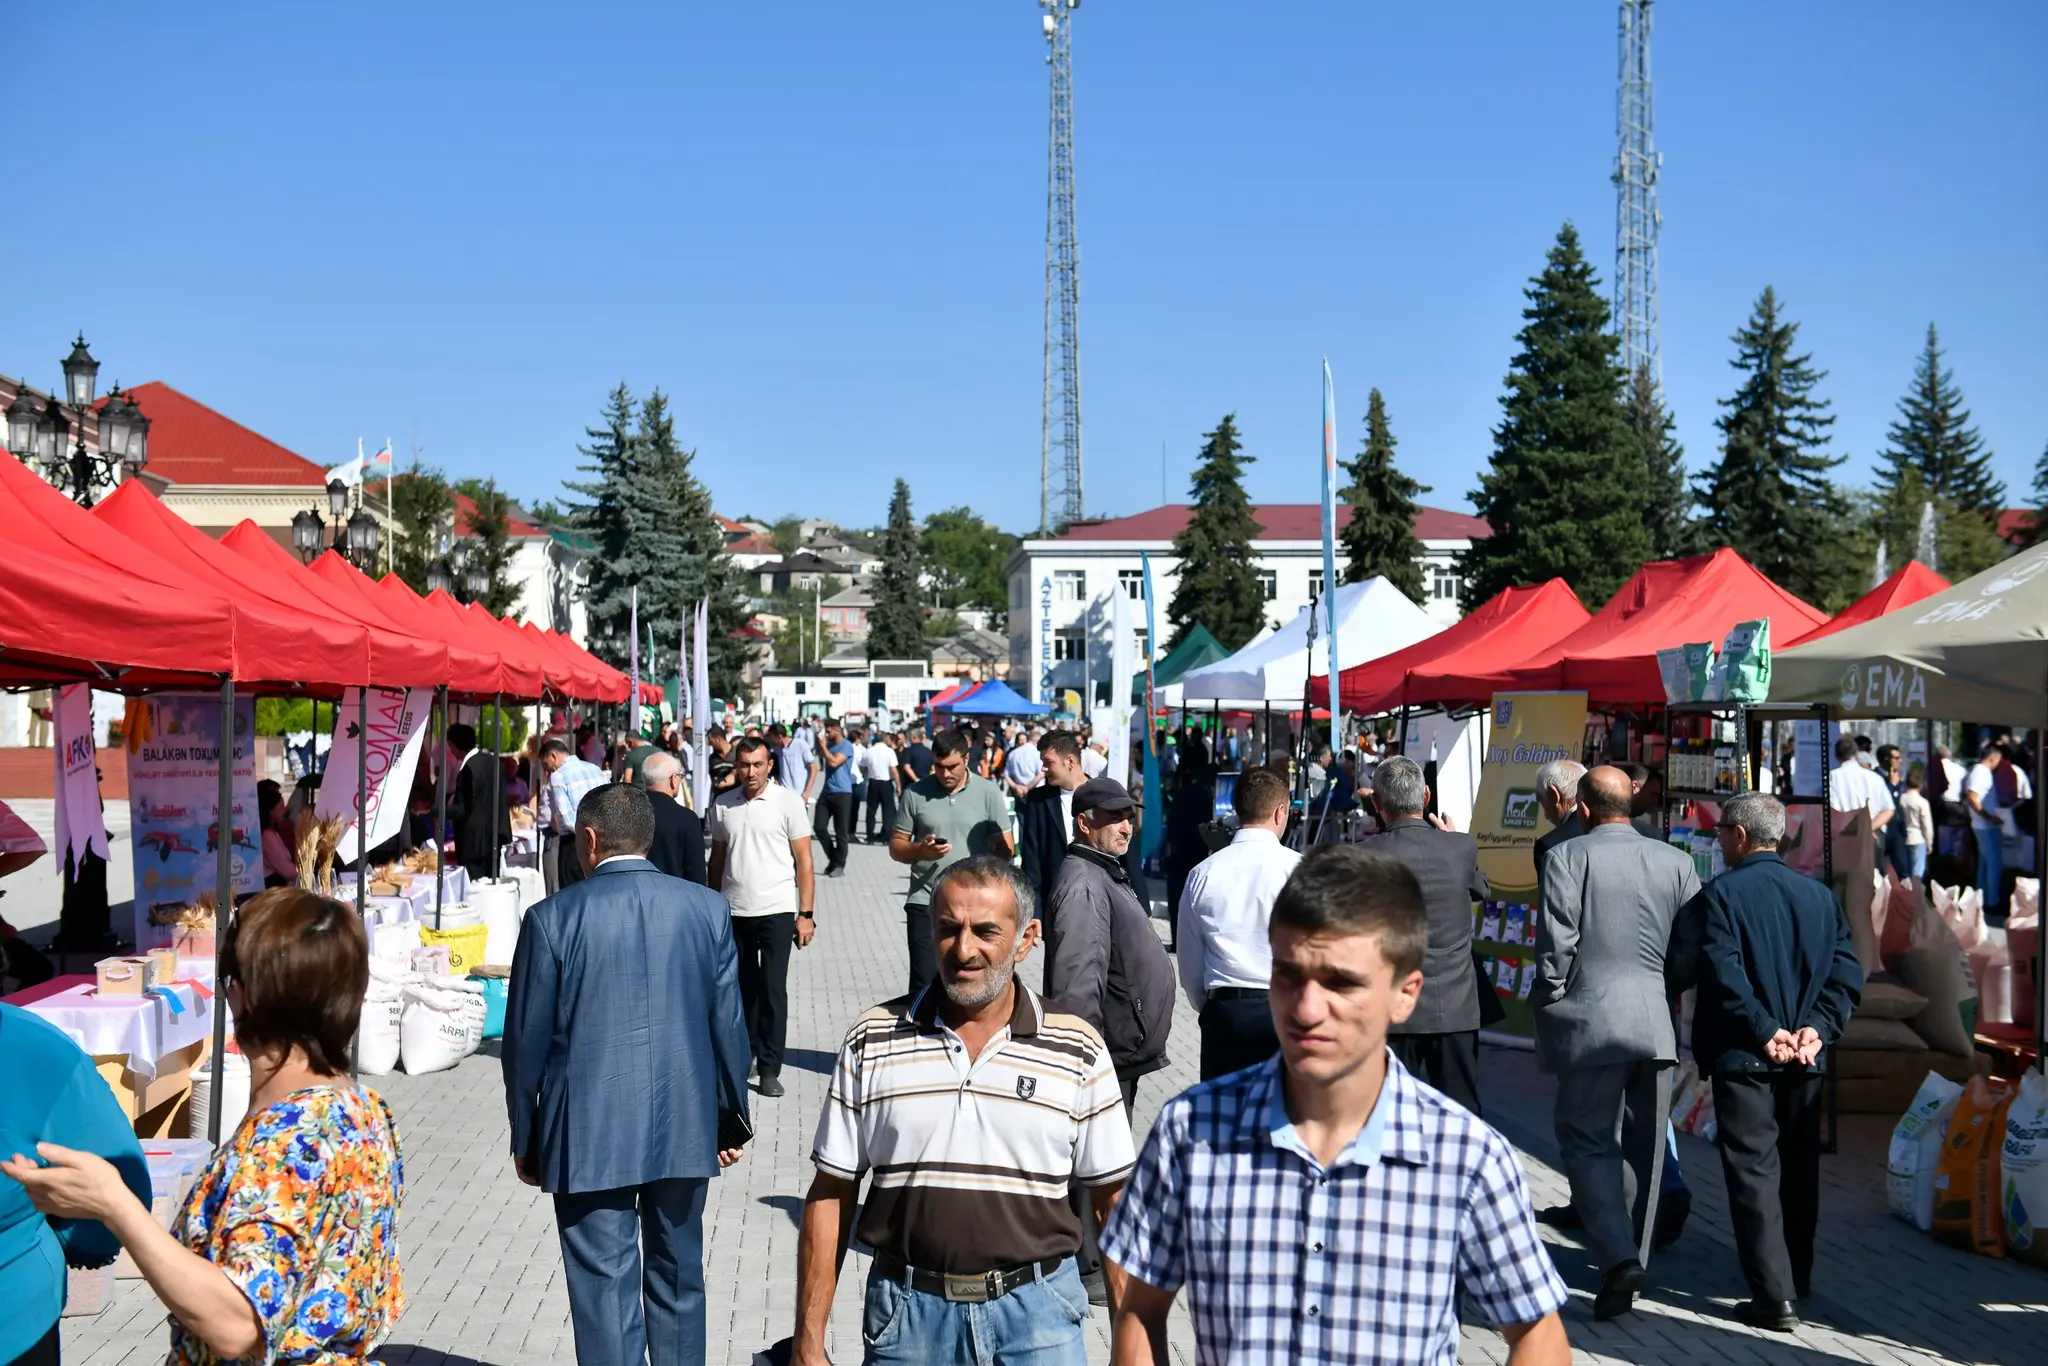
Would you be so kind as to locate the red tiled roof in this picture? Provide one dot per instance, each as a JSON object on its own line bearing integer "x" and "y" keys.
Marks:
{"x": 1277, "y": 522}
{"x": 2014, "y": 524}
{"x": 465, "y": 517}
{"x": 752, "y": 544}
{"x": 190, "y": 443}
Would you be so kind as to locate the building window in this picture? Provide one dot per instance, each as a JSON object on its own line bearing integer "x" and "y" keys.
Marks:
{"x": 1069, "y": 642}
{"x": 1017, "y": 598}
{"x": 1315, "y": 583}
{"x": 1132, "y": 581}
{"x": 1444, "y": 583}
{"x": 799, "y": 687}
{"x": 1142, "y": 638}
{"x": 835, "y": 690}
{"x": 1069, "y": 585}
{"x": 1269, "y": 584}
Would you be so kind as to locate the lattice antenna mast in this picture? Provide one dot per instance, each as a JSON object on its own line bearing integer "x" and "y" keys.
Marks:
{"x": 1636, "y": 219}
{"x": 1059, "y": 465}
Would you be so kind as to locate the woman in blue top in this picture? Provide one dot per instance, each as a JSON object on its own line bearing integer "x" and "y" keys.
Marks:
{"x": 50, "y": 1092}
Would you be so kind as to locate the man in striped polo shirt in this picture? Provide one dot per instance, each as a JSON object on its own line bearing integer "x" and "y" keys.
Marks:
{"x": 974, "y": 1106}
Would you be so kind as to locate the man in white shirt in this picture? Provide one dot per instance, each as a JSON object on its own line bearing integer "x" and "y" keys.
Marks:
{"x": 1093, "y": 761}
{"x": 1852, "y": 787}
{"x": 761, "y": 860}
{"x": 1226, "y": 958}
{"x": 1022, "y": 769}
{"x": 1988, "y": 821}
{"x": 878, "y": 765}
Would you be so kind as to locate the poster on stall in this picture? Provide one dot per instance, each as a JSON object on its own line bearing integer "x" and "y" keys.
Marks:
{"x": 380, "y": 740}
{"x": 1529, "y": 730}
{"x": 173, "y": 743}
{"x": 81, "y": 824}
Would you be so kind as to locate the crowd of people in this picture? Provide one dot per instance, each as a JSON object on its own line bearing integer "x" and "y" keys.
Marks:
{"x": 1329, "y": 1191}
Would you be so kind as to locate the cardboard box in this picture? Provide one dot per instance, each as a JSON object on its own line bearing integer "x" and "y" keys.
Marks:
{"x": 126, "y": 976}
{"x": 166, "y": 959}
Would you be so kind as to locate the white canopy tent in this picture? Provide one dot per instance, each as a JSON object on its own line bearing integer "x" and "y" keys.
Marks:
{"x": 1373, "y": 619}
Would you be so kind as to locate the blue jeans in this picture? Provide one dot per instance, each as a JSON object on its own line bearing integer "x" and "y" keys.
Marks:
{"x": 1990, "y": 865}
{"x": 1916, "y": 862}
{"x": 633, "y": 1259}
{"x": 1034, "y": 1325}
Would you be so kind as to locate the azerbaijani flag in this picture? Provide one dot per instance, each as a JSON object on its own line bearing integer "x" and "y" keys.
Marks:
{"x": 382, "y": 458}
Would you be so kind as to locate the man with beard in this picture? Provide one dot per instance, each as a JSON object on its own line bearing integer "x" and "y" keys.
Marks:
{"x": 974, "y": 1104}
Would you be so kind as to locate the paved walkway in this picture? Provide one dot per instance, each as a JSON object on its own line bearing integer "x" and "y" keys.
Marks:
{"x": 484, "y": 1281}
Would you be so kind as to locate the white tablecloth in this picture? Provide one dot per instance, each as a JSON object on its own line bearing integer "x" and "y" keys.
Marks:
{"x": 144, "y": 1029}
{"x": 419, "y": 898}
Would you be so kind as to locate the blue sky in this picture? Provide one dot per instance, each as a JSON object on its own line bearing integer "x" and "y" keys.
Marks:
{"x": 820, "y": 227}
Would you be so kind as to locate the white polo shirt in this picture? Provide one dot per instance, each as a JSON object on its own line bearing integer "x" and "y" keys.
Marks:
{"x": 760, "y": 868}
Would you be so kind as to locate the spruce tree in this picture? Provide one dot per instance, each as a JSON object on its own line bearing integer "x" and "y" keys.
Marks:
{"x": 1965, "y": 542}
{"x": 1380, "y": 537}
{"x": 1770, "y": 496}
{"x": 1934, "y": 436}
{"x": 604, "y": 514}
{"x": 680, "y": 545}
{"x": 1217, "y": 585}
{"x": 1564, "y": 492}
{"x": 1667, "y": 500}
{"x": 896, "y": 625}
{"x": 2036, "y": 529}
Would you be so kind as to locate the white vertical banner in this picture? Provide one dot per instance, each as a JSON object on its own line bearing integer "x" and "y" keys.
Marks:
{"x": 1123, "y": 652}
{"x": 633, "y": 665}
{"x": 700, "y": 704}
{"x": 387, "y": 753}
{"x": 81, "y": 826}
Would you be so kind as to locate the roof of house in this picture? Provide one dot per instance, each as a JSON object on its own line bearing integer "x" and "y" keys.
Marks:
{"x": 465, "y": 517}
{"x": 1277, "y": 522}
{"x": 850, "y": 597}
{"x": 974, "y": 645}
{"x": 751, "y": 544}
{"x": 803, "y": 562}
{"x": 190, "y": 443}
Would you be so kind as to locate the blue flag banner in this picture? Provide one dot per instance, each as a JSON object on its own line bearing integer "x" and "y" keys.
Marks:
{"x": 1153, "y": 832}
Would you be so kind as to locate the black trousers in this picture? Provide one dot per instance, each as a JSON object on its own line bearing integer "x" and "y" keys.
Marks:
{"x": 1088, "y": 1261}
{"x": 1770, "y": 1155}
{"x": 924, "y": 955}
{"x": 881, "y": 801}
{"x": 568, "y": 867}
{"x": 1237, "y": 1032}
{"x": 765, "y": 943}
{"x": 833, "y": 826}
{"x": 44, "y": 1353}
{"x": 1449, "y": 1062}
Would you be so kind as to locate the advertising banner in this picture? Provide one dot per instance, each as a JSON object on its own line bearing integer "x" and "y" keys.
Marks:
{"x": 1530, "y": 729}
{"x": 387, "y": 751}
{"x": 81, "y": 826}
{"x": 174, "y": 745}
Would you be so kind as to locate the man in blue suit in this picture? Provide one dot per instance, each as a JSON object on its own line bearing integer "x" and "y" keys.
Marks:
{"x": 624, "y": 1048}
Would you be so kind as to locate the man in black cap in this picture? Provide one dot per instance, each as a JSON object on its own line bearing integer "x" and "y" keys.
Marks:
{"x": 1105, "y": 964}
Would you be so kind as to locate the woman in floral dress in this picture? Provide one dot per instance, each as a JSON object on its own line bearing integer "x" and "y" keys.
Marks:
{"x": 287, "y": 1249}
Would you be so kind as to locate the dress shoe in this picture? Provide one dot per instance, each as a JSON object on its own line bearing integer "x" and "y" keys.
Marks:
{"x": 771, "y": 1086}
{"x": 1560, "y": 1216}
{"x": 835, "y": 872}
{"x": 1802, "y": 1290}
{"x": 1772, "y": 1316}
{"x": 1673, "y": 1209}
{"x": 1618, "y": 1290}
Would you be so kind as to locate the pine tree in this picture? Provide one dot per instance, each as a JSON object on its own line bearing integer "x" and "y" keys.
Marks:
{"x": 490, "y": 527}
{"x": 604, "y": 515}
{"x": 1935, "y": 437}
{"x": 896, "y": 627}
{"x": 1565, "y": 489}
{"x": 680, "y": 545}
{"x": 1667, "y": 500}
{"x": 2036, "y": 529}
{"x": 1217, "y": 585}
{"x": 420, "y": 502}
{"x": 1770, "y": 496}
{"x": 1380, "y": 537}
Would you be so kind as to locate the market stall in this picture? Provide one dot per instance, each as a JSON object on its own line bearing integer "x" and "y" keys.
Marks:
{"x": 993, "y": 698}
{"x": 1373, "y": 619}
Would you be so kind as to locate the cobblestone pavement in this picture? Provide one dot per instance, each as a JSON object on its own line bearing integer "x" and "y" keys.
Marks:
{"x": 484, "y": 1282}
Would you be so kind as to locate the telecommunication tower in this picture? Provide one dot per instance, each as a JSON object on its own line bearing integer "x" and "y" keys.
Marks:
{"x": 1636, "y": 219}
{"x": 1059, "y": 464}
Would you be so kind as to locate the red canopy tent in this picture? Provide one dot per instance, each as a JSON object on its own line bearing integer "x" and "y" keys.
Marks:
{"x": 1613, "y": 657}
{"x": 266, "y": 645}
{"x": 521, "y": 677}
{"x": 1911, "y": 582}
{"x": 590, "y": 678}
{"x": 470, "y": 673}
{"x": 54, "y": 625}
{"x": 941, "y": 699}
{"x": 1502, "y": 631}
{"x": 399, "y": 657}
{"x": 518, "y": 647}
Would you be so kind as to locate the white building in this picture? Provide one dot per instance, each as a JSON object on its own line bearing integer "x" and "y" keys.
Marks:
{"x": 899, "y": 685}
{"x": 1060, "y": 585}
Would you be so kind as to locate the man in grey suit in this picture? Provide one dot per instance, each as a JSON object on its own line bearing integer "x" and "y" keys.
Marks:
{"x": 625, "y": 1055}
{"x": 1604, "y": 1026}
{"x": 1439, "y": 1042}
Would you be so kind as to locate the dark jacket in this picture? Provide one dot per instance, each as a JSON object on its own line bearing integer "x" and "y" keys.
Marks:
{"x": 623, "y": 1036}
{"x": 469, "y": 811}
{"x": 1446, "y": 863}
{"x": 678, "y": 847}
{"x": 1570, "y": 828}
{"x": 1768, "y": 949}
{"x": 1105, "y": 963}
{"x": 1042, "y": 843}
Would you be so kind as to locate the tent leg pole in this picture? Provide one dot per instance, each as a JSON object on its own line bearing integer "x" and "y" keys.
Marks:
{"x": 224, "y": 898}
{"x": 498, "y": 785}
{"x": 441, "y": 803}
{"x": 362, "y": 801}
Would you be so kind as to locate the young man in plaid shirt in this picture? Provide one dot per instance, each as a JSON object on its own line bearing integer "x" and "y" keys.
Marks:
{"x": 1325, "y": 1206}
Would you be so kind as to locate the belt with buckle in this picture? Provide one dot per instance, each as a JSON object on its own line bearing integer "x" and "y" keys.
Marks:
{"x": 1237, "y": 993}
{"x": 964, "y": 1288}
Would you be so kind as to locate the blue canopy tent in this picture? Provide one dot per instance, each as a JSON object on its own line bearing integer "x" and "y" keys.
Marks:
{"x": 994, "y": 698}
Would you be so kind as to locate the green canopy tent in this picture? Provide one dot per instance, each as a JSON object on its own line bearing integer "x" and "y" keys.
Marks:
{"x": 1198, "y": 649}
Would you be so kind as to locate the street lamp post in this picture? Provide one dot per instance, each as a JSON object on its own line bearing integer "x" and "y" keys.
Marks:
{"x": 38, "y": 433}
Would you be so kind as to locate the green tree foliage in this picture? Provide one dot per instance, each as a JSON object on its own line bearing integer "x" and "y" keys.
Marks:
{"x": 490, "y": 528}
{"x": 1565, "y": 488}
{"x": 1935, "y": 438}
{"x": 1667, "y": 499}
{"x": 1218, "y": 586}
{"x": 788, "y": 535}
{"x": 896, "y": 625}
{"x": 1965, "y": 542}
{"x": 420, "y": 502}
{"x": 2036, "y": 529}
{"x": 1770, "y": 497}
{"x": 1380, "y": 540}
{"x": 964, "y": 557}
